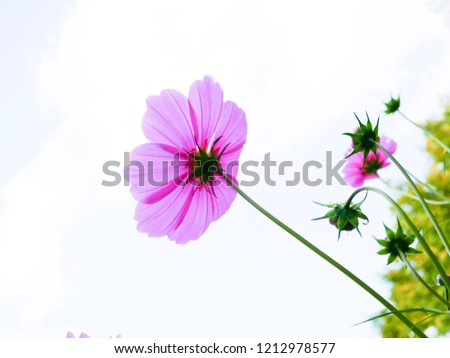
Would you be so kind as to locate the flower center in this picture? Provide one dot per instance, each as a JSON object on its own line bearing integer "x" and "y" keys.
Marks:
{"x": 371, "y": 166}
{"x": 204, "y": 165}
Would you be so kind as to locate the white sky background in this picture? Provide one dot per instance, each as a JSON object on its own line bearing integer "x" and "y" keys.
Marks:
{"x": 70, "y": 256}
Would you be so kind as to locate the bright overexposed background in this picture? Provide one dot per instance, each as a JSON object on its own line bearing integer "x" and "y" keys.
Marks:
{"x": 74, "y": 76}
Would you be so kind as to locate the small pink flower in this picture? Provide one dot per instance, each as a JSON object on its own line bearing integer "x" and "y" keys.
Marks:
{"x": 179, "y": 188}
{"x": 356, "y": 171}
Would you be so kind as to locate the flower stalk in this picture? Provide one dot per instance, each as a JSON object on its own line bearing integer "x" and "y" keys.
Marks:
{"x": 411, "y": 226}
{"x": 427, "y": 132}
{"x": 420, "y": 197}
{"x": 422, "y": 281}
{"x": 327, "y": 258}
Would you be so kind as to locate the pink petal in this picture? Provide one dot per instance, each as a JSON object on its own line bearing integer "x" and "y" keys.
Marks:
{"x": 370, "y": 157}
{"x": 354, "y": 180}
{"x": 389, "y": 144}
{"x": 167, "y": 120}
{"x": 381, "y": 157}
{"x": 166, "y": 215}
{"x": 230, "y": 163}
{"x": 84, "y": 335}
{"x": 355, "y": 176}
{"x": 355, "y": 162}
{"x": 353, "y": 173}
{"x": 232, "y": 128}
{"x": 205, "y": 103}
{"x": 153, "y": 174}
{"x": 70, "y": 335}
{"x": 225, "y": 194}
{"x": 185, "y": 213}
{"x": 371, "y": 176}
{"x": 391, "y": 147}
{"x": 197, "y": 219}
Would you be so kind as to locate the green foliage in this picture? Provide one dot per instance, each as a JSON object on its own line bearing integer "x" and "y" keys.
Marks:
{"x": 406, "y": 291}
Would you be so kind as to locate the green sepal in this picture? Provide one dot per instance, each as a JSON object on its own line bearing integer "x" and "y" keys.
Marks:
{"x": 391, "y": 258}
{"x": 341, "y": 223}
{"x": 353, "y": 220}
{"x": 399, "y": 232}
{"x": 410, "y": 239}
{"x": 383, "y": 252}
{"x": 411, "y": 251}
{"x": 390, "y": 234}
{"x": 384, "y": 243}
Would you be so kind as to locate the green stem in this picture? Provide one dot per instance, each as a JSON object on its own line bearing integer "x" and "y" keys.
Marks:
{"x": 427, "y": 132}
{"x": 421, "y": 280}
{"x": 432, "y": 190}
{"x": 428, "y": 201}
{"x": 412, "y": 227}
{"x": 419, "y": 196}
{"x": 327, "y": 258}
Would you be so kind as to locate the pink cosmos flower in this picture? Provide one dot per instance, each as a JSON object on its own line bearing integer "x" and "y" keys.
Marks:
{"x": 356, "y": 172}
{"x": 176, "y": 177}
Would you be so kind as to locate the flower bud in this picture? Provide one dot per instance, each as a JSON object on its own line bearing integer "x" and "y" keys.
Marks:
{"x": 393, "y": 105}
{"x": 364, "y": 138}
{"x": 440, "y": 280}
{"x": 396, "y": 243}
{"x": 344, "y": 217}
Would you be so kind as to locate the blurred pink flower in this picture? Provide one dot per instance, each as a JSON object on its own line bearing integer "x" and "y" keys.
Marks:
{"x": 82, "y": 335}
{"x": 191, "y": 140}
{"x": 356, "y": 172}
